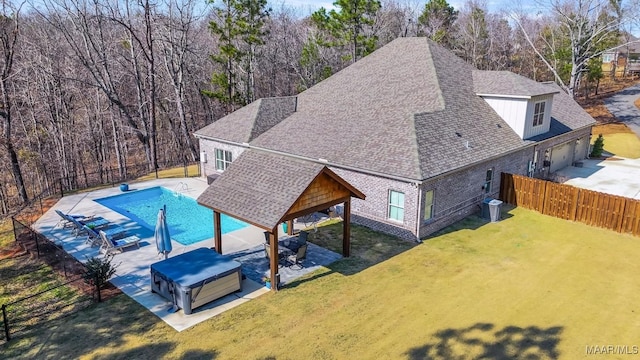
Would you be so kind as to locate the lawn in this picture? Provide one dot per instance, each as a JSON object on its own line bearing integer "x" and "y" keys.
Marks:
{"x": 529, "y": 286}
{"x": 619, "y": 140}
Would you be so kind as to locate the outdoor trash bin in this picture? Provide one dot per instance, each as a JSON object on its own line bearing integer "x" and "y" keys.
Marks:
{"x": 484, "y": 213}
{"x": 494, "y": 209}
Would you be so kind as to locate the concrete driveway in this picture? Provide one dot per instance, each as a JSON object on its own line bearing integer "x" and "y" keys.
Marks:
{"x": 621, "y": 105}
{"x": 617, "y": 176}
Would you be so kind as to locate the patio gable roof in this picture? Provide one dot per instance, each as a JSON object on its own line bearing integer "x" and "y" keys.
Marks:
{"x": 265, "y": 189}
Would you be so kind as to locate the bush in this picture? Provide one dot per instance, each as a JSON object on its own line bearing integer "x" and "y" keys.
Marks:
{"x": 99, "y": 270}
{"x": 598, "y": 147}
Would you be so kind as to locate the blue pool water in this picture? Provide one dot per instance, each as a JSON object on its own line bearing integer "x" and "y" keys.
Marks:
{"x": 188, "y": 222}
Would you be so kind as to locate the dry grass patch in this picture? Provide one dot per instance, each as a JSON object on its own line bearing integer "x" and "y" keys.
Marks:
{"x": 530, "y": 286}
{"x": 619, "y": 140}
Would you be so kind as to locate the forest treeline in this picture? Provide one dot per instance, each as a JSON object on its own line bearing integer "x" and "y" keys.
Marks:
{"x": 98, "y": 87}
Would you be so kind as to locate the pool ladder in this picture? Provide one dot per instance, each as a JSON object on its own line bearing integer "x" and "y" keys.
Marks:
{"x": 180, "y": 189}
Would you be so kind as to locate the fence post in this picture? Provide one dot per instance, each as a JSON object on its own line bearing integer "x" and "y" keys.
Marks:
{"x": 35, "y": 237}
{"x": 5, "y": 322}
{"x": 61, "y": 188}
{"x": 13, "y": 223}
{"x": 97, "y": 282}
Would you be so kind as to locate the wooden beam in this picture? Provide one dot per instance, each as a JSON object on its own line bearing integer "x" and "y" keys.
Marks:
{"x": 273, "y": 260}
{"x": 290, "y": 216}
{"x": 217, "y": 232}
{"x": 290, "y": 227}
{"x": 346, "y": 229}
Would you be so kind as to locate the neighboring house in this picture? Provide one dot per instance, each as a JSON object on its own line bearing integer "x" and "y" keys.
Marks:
{"x": 420, "y": 132}
{"x": 625, "y": 59}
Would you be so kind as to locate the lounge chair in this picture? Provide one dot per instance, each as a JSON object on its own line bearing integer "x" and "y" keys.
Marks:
{"x": 93, "y": 237}
{"x": 65, "y": 219}
{"x": 295, "y": 259}
{"x": 95, "y": 223}
{"x": 110, "y": 246}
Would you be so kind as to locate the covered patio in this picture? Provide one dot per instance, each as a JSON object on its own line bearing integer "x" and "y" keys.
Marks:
{"x": 266, "y": 189}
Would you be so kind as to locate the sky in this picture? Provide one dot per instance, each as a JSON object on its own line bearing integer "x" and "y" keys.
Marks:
{"x": 493, "y": 6}
{"x": 306, "y": 7}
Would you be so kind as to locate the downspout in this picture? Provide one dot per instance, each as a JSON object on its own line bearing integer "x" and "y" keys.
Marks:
{"x": 418, "y": 212}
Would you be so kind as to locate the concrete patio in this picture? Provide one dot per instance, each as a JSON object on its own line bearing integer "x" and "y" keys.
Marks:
{"x": 133, "y": 275}
{"x": 616, "y": 176}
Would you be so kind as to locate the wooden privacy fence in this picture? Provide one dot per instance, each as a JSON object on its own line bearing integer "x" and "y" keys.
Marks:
{"x": 571, "y": 203}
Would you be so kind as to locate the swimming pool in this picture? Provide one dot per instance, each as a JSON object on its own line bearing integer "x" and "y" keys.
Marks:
{"x": 188, "y": 222}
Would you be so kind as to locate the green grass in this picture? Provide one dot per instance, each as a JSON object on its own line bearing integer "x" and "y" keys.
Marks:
{"x": 625, "y": 145}
{"x": 529, "y": 286}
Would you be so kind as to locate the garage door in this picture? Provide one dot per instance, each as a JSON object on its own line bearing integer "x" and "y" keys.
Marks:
{"x": 581, "y": 149}
{"x": 561, "y": 156}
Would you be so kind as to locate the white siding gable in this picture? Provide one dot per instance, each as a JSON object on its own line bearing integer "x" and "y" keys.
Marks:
{"x": 512, "y": 111}
{"x": 529, "y": 129}
{"x": 518, "y": 113}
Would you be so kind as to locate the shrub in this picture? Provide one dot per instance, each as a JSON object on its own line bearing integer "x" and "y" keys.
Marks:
{"x": 598, "y": 147}
{"x": 99, "y": 270}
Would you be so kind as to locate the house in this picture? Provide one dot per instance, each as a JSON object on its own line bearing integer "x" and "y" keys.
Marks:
{"x": 622, "y": 60}
{"x": 422, "y": 134}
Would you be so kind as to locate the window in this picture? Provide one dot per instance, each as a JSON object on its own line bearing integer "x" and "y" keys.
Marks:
{"x": 538, "y": 113}
{"x": 607, "y": 58}
{"x": 428, "y": 205}
{"x": 223, "y": 159}
{"x": 488, "y": 181}
{"x": 396, "y": 205}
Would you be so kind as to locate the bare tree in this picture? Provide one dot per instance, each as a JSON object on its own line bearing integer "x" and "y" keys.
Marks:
{"x": 589, "y": 27}
{"x": 9, "y": 33}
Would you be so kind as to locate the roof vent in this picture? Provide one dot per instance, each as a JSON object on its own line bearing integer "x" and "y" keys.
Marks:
{"x": 459, "y": 135}
{"x": 466, "y": 144}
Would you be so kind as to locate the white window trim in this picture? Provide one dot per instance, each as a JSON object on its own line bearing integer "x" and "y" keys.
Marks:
{"x": 488, "y": 183}
{"x": 431, "y": 206}
{"x": 227, "y": 158}
{"x": 400, "y": 206}
{"x": 541, "y": 115}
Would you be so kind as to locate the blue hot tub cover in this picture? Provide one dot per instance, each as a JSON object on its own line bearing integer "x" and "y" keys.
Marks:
{"x": 190, "y": 269}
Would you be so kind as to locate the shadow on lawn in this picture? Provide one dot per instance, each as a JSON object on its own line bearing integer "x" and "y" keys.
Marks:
{"x": 473, "y": 222}
{"x": 368, "y": 247}
{"x": 484, "y": 341}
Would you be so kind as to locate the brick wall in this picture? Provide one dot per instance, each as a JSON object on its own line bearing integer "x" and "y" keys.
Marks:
{"x": 209, "y": 147}
{"x": 372, "y": 212}
{"x": 543, "y": 172}
{"x": 460, "y": 194}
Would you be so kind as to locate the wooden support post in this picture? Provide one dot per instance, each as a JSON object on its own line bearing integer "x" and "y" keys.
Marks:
{"x": 273, "y": 260}
{"x": 346, "y": 229}
{"x": 217, "y": 231}
{"x": 290, "y": 227}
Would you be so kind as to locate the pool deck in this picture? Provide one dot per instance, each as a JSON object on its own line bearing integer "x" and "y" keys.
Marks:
{"x": 132, "y": 273}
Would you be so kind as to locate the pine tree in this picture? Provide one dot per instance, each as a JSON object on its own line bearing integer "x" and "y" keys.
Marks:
{"x": 239, "y": 27}
{"x": 349, "y": 26}
{"x": 598, "y": 147}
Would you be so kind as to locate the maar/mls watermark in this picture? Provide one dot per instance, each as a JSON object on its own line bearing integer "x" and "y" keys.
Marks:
{"x": 612, "y": 350}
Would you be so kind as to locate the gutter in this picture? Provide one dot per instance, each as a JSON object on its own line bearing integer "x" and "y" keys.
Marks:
{"x": 318, "y": 161}
{"x": 375, "y": 173}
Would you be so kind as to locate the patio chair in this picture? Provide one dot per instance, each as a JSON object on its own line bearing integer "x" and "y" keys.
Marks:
{"x": 110, "y": 246}
{"x": 95, "y": 222}
{"x": 267, "y": 254}
{"x": 295, "y": 259}
{"x": 301, "y": 240}
{"x": 65, "y": 219}
{"x": 93, "y": 237}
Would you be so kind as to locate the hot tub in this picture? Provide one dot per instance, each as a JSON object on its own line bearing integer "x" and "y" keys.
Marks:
{"x": 195, "y": 278}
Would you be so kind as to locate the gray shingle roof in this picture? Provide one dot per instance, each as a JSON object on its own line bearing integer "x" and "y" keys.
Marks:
{"x": 566, "y": 115}
{"x": 408, "y": 110}
{"x": 260, "y": 187}
{"x": 506, "y": 83}
{"x": 249, "y": 122}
